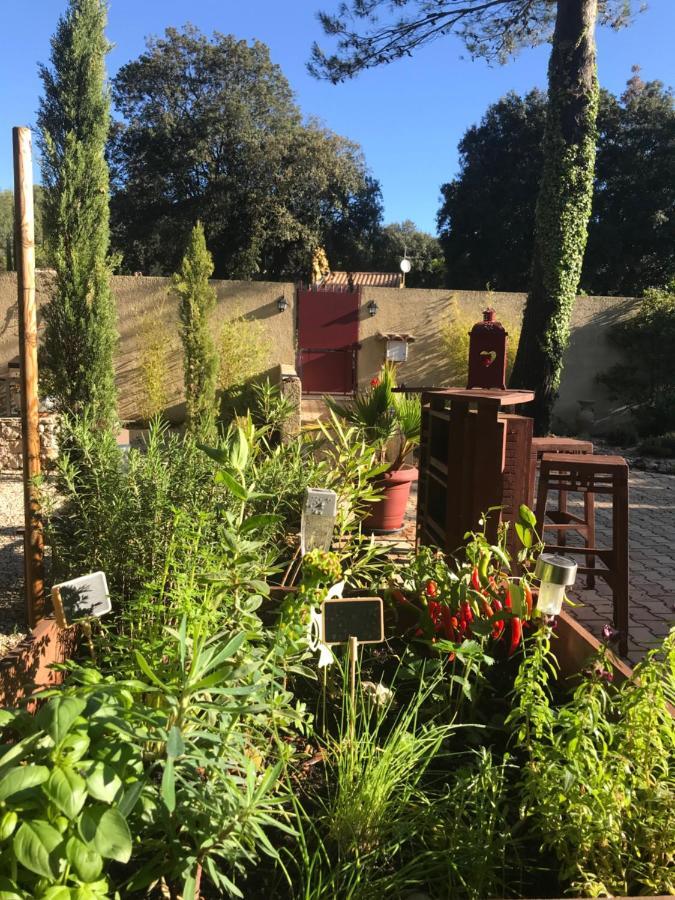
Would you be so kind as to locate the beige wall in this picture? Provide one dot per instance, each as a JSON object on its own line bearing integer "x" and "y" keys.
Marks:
{"x": 144, "y": 302}
{"x": 415, "y": 311}
{"x": 422, "y": 312}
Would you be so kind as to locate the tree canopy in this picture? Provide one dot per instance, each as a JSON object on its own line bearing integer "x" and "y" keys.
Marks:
{"x": 423, "y": 250}
{"x": 210, "y": 131}
{"x": 487, "y": 216}
{"x": 372, "y": 32}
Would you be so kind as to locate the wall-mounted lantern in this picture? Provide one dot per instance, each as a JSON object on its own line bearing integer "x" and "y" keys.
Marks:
{"x": 282, "y": 304}
{"x": 372, "y": 308}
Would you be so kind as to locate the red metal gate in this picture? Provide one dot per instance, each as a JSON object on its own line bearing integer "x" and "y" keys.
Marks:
{"x": 328, "y": 334}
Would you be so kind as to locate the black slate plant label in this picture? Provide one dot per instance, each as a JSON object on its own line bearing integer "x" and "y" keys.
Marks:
{"x": 358, "y": 617}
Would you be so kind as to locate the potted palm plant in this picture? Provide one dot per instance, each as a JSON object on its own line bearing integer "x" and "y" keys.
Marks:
{"x": 390, "y": 422}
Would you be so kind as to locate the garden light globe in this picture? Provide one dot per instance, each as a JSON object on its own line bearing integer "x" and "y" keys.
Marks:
{"x": 556, "y": 572}
{"x": 406, "y": 265}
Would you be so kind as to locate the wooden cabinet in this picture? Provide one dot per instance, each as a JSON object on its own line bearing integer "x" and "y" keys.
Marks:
{"x": 473, "y": 456}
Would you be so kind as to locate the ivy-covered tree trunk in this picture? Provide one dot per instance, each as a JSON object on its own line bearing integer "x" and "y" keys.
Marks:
{"x": 74, "y": 120}
{"x": 563, "y": 206}
{"x": 200, "y": 360}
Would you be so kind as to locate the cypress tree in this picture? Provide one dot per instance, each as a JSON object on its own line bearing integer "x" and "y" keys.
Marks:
{"x": 74, "y": 120}
{"x": 200, "y": 362}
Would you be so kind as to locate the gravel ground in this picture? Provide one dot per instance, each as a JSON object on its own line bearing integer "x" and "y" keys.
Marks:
{"x": 12, "y": 621}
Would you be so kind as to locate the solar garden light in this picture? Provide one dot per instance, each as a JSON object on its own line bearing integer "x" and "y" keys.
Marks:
{"x": 556, "y": 572}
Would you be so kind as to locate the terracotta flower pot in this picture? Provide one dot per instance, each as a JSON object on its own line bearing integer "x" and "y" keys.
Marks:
{"x": 386, "y": 515}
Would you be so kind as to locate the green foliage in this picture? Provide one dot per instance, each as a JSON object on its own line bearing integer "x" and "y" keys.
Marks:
{"x": 197, "y": 300}
{"x": 487, "y": 214}
{"x": 156, "y": 347}
{"x": 486, "y": 218}
{"x": 397, "y": 816}
{"x": 74, "y": 122}
{"x": 7, "y": 262}
{"x": 72, "y": 780}
{"x": 109, "y": 502}
{"x": 598, "y": 784}
{"x": 455, "y": 329}
{"x": 210, "y": 129}
{"x": 646, "y": 379}
{"x": 424, "y": 250}
{"x": 661, "y": 446}
{"x": 243, "y": 350}
{"x": 563, "y": 208}
{"x": 391, "y": 422}
{"x": 379, "y": 32}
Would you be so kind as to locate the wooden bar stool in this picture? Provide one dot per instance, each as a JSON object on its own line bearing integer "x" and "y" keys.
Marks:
{"x": 541, "y": 445}
{"x": 590, "y": 474}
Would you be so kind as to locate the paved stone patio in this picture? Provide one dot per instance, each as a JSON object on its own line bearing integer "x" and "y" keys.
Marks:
{"x": 652, "y": 564}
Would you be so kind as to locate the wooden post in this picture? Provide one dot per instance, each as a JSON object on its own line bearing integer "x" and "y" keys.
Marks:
{"x": 24, "y": 244}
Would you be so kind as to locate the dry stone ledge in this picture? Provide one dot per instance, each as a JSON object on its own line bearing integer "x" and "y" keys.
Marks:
{"x": 10, "y": 441}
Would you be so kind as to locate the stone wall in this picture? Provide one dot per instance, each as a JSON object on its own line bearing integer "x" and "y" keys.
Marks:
{"x": 145, "y": 307}
{"x": 10, "y": 442}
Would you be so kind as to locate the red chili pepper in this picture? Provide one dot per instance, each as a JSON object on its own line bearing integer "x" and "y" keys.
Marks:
{"x": 447, "y": 622}
{"x": 528, "y": 598}
{"x": 498, "y": 627}
{"x": 516, "y": 634}
{"x": 431, "y": 589}
{"x": 487, "y": 609}
{"x": 475, "y": 580}
{"x": 507, "y": 599}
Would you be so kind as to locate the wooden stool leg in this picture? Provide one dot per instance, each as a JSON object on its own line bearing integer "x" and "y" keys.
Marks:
{"x": 562, "y": 507}
{"x": 620, "y": 554}
{"x": 542, "y": 497}
{"x": 589, "y": 516}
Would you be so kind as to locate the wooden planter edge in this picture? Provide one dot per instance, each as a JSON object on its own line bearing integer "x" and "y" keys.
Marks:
{"x": 26, "y": 668}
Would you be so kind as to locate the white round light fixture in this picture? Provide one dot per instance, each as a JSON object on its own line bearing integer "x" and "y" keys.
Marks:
{"x": 406, "y": 265}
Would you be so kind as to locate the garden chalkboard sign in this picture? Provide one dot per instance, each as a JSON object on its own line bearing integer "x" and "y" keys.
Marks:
{"x": 86, "y": 597}
{"x": 361, "y": 618}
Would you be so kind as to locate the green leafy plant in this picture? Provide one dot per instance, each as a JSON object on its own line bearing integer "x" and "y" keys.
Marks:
{"x": 597, "y": 781}
{"x": 389, "y": 421}
{"x": 69, "y": 779}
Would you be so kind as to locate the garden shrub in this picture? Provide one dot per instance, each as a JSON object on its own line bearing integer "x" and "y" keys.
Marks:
{"x": 598, "y": 780}
{"x": 662, "y": 446}
{"x": 243, "y": 354}
{"x": 156, "y": 348}
{"x": 646, "y": 380}
{"x": 117, "y": 512}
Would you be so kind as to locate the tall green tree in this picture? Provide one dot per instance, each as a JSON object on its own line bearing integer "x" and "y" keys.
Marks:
{"x": 486, "y": 219}
{"x": 631, "y": 237}
{"x": 209, "y": 129}
{"x": 496, "y": 29}
{"x": 424, "y": 250}
{"x": 487, "y": 214}
{"x": 196, "y": 300}
{"x": 74, "y": 121}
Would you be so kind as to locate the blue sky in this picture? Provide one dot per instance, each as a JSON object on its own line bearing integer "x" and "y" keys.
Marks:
{"x": 408, "y": 116}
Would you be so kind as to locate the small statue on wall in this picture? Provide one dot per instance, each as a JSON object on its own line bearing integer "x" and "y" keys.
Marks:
{"x": 320, "y": 266}
{"x": 487, "y": 353}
